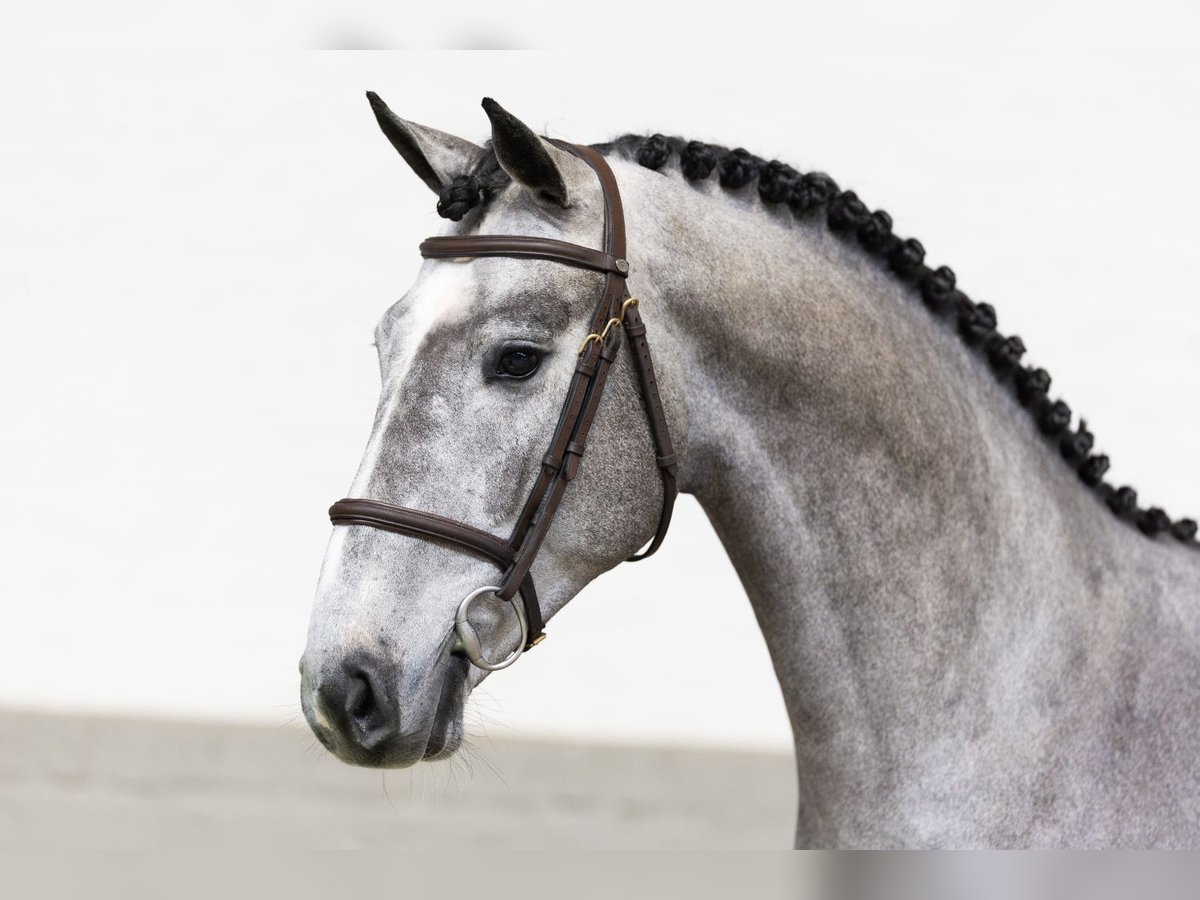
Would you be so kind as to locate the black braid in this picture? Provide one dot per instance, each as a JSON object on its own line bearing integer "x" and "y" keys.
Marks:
{"x": 697, "y": 161}
{"x": 464, "y": 193}
{"x": 1091, "y": 471}
{"x": 1032, "y": 386}
{"x": 937, "y": 289}
{"x": 737, "y": 169}
{"x": 811, "y": 191}
{"x": 1005, "y": 353}
{"x": 848, "y": 213}
{"x": 876, "y": 235}
{"x": 977, "y": 323}
{"x": 1184, "y": 529}
{"x": 654, "y": 153}
{"x": 907, "y": 258}
{"x": 1154, "y": 520}
{"x": 845, "y": 214}
{"x": 775, "y": 182}
{"x": 459, "y": 196}
{"x": 1053, "y": 418}
{"x": 1076, "y": 445}
{"x": 1123, "y": 501}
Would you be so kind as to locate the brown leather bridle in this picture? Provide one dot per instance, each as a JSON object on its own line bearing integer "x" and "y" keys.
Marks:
{"x": 617, "y": 311}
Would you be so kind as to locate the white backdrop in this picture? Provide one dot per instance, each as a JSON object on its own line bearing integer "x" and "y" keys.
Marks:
{"x": 194, "y": 251}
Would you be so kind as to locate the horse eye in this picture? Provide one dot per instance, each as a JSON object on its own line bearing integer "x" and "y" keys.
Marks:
{"x": 518, "y": 363}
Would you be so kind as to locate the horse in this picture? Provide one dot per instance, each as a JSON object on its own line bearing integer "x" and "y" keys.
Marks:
{"x": 980, "y": 641}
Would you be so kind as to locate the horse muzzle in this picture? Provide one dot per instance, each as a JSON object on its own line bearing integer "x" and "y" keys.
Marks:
{"x": 358, "y": 712}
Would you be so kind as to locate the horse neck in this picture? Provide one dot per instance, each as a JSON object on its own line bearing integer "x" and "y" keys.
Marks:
{"x": 885, "y": 501}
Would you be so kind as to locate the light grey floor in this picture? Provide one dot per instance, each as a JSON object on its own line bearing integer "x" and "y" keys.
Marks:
{"x": 68, "y": 781}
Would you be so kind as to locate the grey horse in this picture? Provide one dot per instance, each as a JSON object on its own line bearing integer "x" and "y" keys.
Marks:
{"x": 978, "y": 640}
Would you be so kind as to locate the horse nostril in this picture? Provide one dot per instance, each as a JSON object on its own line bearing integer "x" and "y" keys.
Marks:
{"x": 368, "y": 708}
{"x": 357, "y": 704}
{"x": 360, "y": 700}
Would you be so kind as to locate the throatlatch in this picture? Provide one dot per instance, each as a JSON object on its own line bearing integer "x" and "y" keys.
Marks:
{"x": 617, "y": 311}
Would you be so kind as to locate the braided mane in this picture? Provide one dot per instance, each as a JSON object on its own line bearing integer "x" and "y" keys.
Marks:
{"x": 813, "y": 194}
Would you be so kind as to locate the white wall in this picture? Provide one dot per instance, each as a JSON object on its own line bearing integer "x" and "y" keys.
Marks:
{"x": 194, "y": 251}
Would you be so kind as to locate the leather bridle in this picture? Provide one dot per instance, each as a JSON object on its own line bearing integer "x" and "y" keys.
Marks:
{"x": 617, "y": 311}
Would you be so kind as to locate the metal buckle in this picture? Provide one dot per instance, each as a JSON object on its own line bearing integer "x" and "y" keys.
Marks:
{"x": 615, "y": 321}
{"x": 587, "y": 340}
{"x": 467, "y": 641}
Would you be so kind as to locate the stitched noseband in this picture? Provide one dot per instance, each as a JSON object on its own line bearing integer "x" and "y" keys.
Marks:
{"x": 616, "y": 312}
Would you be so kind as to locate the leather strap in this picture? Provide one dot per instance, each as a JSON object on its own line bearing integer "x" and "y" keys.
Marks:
{"x": 468, "y": 246}
{"x": 412, "y": 521}
{"x": 417, "y": 523}
{"x": 535, "y": 530}
{"x": 643, "y": 363}
{"x": 635, "y": 328}
{"x": 561, "y": 462}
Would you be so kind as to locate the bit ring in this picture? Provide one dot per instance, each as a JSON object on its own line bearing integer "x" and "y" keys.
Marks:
{"x": 467, "y": 641}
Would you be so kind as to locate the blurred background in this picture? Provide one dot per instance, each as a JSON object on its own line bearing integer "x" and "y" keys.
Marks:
{"x": 195, "y": 250}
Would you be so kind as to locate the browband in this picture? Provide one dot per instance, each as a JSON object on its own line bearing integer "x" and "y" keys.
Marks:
{"x": 471, "y": 245}
{"x": 615, "y": 312}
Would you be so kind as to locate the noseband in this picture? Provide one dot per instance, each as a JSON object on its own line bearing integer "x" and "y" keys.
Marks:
{"x": 617, "y": 311}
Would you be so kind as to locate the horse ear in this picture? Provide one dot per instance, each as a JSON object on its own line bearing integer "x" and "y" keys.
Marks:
{"x": 531, "y": 160}
{"x": 435, "y": 156}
